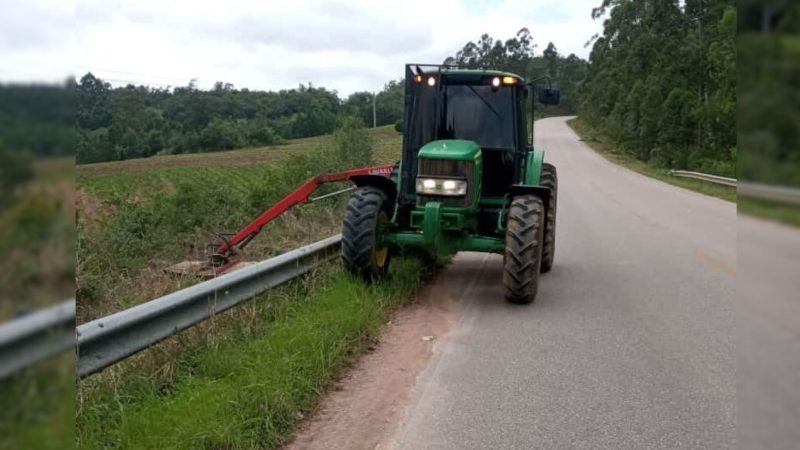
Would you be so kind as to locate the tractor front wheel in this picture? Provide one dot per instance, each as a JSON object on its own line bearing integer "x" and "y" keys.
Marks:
{"x": 367, "y": 212}
{"x": 523, "y": 253}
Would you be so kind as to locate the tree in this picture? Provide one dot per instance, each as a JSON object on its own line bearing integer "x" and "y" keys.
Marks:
{"x": 15, "y": 169}
{"x": 517, "y": 55}
{"x": 660, "y": 81}
{"x": 93, "y": 109}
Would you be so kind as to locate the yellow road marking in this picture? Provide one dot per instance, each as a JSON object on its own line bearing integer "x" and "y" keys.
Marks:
{"x": 715, "y": 261}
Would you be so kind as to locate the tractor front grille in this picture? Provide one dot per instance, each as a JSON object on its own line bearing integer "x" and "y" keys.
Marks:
{"x": 442, "y": 168}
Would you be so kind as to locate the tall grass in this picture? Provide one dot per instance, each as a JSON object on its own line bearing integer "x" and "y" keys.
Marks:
{"x": 243, "y": 378}
{"x": 37, "y": 406}
{"x": 133, "y": 225}
{"x": 250, "y": 386}
{"x": 37, "y": 269}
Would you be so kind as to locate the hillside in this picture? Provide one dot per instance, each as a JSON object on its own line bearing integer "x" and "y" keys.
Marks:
{"x": 139, "y": 216}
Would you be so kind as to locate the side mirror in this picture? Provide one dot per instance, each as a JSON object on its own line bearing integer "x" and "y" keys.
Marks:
{"x": 549, "y": 96}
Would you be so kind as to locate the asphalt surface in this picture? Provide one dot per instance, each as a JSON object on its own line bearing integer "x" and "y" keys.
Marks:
{"x": 768, "y": 336}
{"x": 630, "y": 343}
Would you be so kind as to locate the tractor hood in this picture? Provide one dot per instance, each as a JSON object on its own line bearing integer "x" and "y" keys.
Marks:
{"x": 451, "y": 149}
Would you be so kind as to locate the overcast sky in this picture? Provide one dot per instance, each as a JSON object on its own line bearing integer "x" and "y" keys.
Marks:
{"x": 342, "y": 45}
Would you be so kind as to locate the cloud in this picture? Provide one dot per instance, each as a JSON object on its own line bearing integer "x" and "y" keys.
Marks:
{"x": 37, "y": 40}
{"x": 341, "y": 45}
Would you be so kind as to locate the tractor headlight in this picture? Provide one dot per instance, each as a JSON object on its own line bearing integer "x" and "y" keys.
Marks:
{"x": 439, "y": 186}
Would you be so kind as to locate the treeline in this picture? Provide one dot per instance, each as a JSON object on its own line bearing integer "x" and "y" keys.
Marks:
{"x": 138, "y": 121}
{"x": 37, "y": 119}
{"x": 518, "y": 55}
{"x": 37, "y": 232}
{"x": 769, "y": 92}
{"x": 662, "y": 82}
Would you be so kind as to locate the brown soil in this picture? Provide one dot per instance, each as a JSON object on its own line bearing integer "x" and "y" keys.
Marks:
{"x": 91, "y": 210}
{"x": 366, "y": 408}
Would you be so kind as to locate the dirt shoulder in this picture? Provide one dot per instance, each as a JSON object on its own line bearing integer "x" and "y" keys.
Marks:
{"x": 366, "y": 407}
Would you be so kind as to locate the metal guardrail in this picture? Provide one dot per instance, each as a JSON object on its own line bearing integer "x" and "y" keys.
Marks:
{"x": 780, "y": 194}
{"x": 36, "y": 336}
{"x": 725, "y": 181}
{"x": 108, "y": 340}
{"x": 760, "y": 191}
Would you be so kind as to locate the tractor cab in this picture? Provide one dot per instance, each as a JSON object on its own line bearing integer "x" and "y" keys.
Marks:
{"x": 486, "y": 107}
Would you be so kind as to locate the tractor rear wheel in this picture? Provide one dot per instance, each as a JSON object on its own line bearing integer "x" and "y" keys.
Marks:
{"x": 523, "y": 253}
{"x": 367, "y": 212}
{"x": 550, "y": 181}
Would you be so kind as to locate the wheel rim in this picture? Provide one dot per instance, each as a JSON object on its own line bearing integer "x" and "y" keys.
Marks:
{"x": 381, "y": 253}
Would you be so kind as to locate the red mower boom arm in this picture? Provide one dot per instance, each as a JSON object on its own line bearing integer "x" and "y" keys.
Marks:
{"x": 226, "y": 254}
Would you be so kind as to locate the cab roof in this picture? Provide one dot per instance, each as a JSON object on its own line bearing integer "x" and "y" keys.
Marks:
{"x": 480, "y": 73}
{"x": 449, "y": 69}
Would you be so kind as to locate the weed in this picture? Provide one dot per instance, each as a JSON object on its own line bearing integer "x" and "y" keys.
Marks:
{"x": 244, "y": 378}
{"x": 248, "y": 388}
{"x": 132, "y": 223}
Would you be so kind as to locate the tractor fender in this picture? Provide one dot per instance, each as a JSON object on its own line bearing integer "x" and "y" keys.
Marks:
{"x": 533, "y": 166}
{"x": 523, "y": 189}
{"x": 387, "y": 185}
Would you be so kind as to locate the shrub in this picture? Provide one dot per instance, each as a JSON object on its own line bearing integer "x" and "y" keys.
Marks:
{"x": 352, "y": 144}
{"x": 15, "y": 169}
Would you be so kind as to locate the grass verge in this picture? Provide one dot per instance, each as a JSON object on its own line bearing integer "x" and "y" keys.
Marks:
{"x": 37, "y": 269}
{"x": 249, "y": 386}
{"x": 385, "y": 139}
{"x": 137, "y": 217}
{"x": 601, "y": 144}
{"x": 37, "y": 406}
{"x": 778, "y": 212}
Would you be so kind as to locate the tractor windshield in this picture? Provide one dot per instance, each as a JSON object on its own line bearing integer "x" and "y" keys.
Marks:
{"x": 477, "y": 113}
{"x": 474, "y": 112}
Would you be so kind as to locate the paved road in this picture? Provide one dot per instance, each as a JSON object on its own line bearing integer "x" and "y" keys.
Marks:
{"x": 768, "y": 336}
{"x": 630, "y": 343}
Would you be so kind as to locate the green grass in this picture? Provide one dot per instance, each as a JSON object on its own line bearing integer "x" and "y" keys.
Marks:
{"x": 602, "y": 145}
{"x": 244, "y": 378}
{"x": 240, "y": 171}
{"x": 385, "y": 139}
{"x": 137, "y": 217}
{"x": 37, "y": 406}
{"x": 249, "y": 390}
{"x": 787, "y": 214}
{"x": 37, "y": 269}
{"x": 37, "y": 239}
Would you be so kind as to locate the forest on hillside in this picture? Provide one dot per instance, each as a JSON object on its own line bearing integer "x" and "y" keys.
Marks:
{"x": 661, "y": 82}
{"x": 140, "y": 121}
{"x": 118, "y": 123}
{"x": 768, "y": 71}
{"x": 518, "y": 55}
{"x": 36, "y": 121}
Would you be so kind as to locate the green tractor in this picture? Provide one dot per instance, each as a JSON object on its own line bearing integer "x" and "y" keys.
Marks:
{"x": 469, "y": 180}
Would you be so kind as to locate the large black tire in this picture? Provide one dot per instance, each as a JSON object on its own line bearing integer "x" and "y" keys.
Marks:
{"x": 367, "y": 210}
{"x": 549, "y": 180}
{"x": 523, "y": 253}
